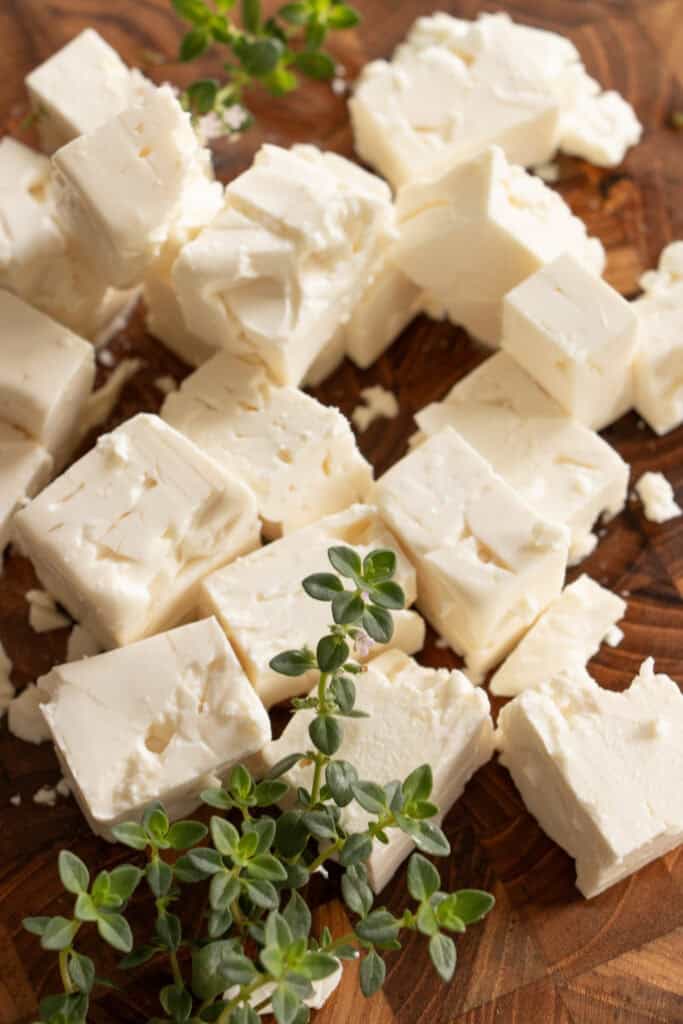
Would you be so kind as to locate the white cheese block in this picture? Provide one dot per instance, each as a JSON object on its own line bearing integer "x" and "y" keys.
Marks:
{"x": 417, "y": 715}
{"x": 658, "y": 368}
{"x": 487, "y": 564}
{"x": 37, "y": 262}
{"x": 657, "y": 496}
{"x": 150, "y": 721}
{"x": 327, "y": 360}
{"x": 600, "y": 770}
{"x": 562, "y": 640}
{"x": 121, "y": 188}
{"x": 470, "y": 235}
{"x": 46, "y": 375}
{"x": 264, "y": 610}
{"x": 25, "y": 467}
{"x": 123, "y": 538}
{"x": 322, "y": 990}
{"x": 565, "y": 471}
{"x": 577, "y": 337}
{"x": 79, "y": 88}
{"x": 281, "y": 268}
{"x": 24, "y": 717}
{"x": 299, "y": 457}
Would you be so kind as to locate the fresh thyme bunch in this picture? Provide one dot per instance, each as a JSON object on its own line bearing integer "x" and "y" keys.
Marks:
{"x": 257, "y": 953}
{"x": 266, "y": 51}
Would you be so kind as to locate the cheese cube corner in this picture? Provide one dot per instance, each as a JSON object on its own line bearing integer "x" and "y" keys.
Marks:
{"x": 152, "y": 721}
{"x": 123, "y": 538}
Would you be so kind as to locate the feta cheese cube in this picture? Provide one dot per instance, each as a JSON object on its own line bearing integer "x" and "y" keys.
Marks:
{"x": 470, "y": 235}
{"x": 595, "y": 768}
{"x": 120, "y": 188}
{"x": 658, "y": 368}
{"x": 124, "y": 536}
{"x": 46, "y": 375}
{"x": 487, "y": 564}
{"x": 657, "y": 496}
{"x": 264, "y": 610}
{"x": 426, "y": 714}
{"x": 577, "y": 337}
{"x": 79, "y": 88}
{"x": 150, "y": 721}
{"x": 562, "y": 640}
{"x": 25, "y": 467}
{"x": 299, "y": 457}
{"x": 282, "y": 266}
{"x": 563, "y": 470}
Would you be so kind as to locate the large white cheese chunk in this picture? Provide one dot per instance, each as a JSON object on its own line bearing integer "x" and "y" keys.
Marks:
{"x": 277, "y": 272}
{"x": 600, "y": 770}
{"x": 299, "y": 457}
{"x": 150, "y": 721}
{"x": 473, "y": 233}
{"x": 577, "y": 337}
{"x": 124, "y": 536}
{"x": 25, "y": 467}
{"x": 658, "y": 368}
{"x": 487, "y": 564}
{"x": 562, "y": 640}
{"x": 264, "y": 610}
{"x": 565, "y": 471}
{"x": 417, "y": 715}
{"x": 37, "y": 261}
{"x": 79, "y": 88}
{"x": 121, "y": 188}
{"x": 46, "y": 375}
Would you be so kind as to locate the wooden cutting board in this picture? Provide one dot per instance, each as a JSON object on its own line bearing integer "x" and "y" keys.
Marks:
{"x": 545, "y": 955}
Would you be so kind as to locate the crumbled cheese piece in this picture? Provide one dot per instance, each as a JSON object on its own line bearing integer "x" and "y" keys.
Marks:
{"x": 282, "y": 266}
{"x": 63, "y": 788}
{"x": 24, "y": 717}
{"x": 657, "y": 371}
{"x": 46, "y": 796}
{"x": 562, "y": 640}
{"x": 549, "y": 173}
{"x": 123, "y": 538}
{"x": 600, "y": 126}
{"x": 79, "y": 88}
{"x": 7, "y": 690}
{"x": 563, "y": 470}
{"x": 657, "y": 496}
{"x": 298, "y": 457}
{"x": 378, "y": 403}
{"x": 43, "y": 614}
{"x": 199, "y": 716}
{"x": 599, "y": 770}
{"x": 166, "y": 385}
{"x": 25, "y": 467}
{"x": 101, "y": 403}
{"x": 81, "y": 644}
{"x": 263, "y": 608}
{"x": 479, "y": 229}
{"x": 427, "y": 714}
{"x": 577, "y": 337}
{"x": 614, "y": 636}
{"x": 15, "y": 800}
{"x": 487, "y": 564}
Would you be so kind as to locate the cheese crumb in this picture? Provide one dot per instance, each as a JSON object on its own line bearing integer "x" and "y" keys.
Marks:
{"x": 549, "y": 173}
{"x": 614, "y": 636}
{"x": 378, "y": 403}
{"x": 43, "y": 614}
{"x": 63, "y": 788}
{"x": 657, "y": 496}
{"x": 6, "y": 689}
{"x": 15, "y": 800}
{"x": 166, "y": 385}
{"x": 24, "y": 716}
{"x": 45, "y": 797}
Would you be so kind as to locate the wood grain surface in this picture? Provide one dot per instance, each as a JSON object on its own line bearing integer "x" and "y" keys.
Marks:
{"x": 545, "y": 955}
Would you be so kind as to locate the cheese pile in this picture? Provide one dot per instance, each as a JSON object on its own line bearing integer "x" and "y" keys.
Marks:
{"x": 151, "y": 541}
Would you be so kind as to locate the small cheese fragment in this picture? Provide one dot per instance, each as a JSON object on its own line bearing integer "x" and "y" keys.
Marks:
{"x": 282, "y": 266}
{"x": 658, "y": 369}
{"x": 470, "y": 235}
{"x": 595, "y": 768}
{"x": 599, "y": 126}
{"x": 487, "y": 564}
{"x": 43, "y": 615}
{"x": 46, "y": 796}
{"x": 81, "y": 644}
{"x": 322, "y": 990}
{"x": 263, "y": 608}
{"x": 79, "y": 88}
{"x": 121, "y": 188}
{"x": 102, "y": 402}
{"x": 563, "y": 639}
{"x": 577, "y": 337}
{"x": 25, "y": 467}
{"x": 657, "y": 496}
{"x": 378, "y": 403}
{"x": 614, "y": 636}
{"x": 123, "y": 538}
{"x": 150, "y": 721}
{"x": 425, "y": 715}
{"x": 46, "y": 375}
{"x": 6, "y": 688}
{"x": 24, "y": 716}
{"x": 563, "y": 470}
{"x": 299, "y": 457}
{"x": 15, "y": 800}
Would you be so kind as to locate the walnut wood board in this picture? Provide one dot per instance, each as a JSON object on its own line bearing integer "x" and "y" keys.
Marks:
{"x": 545, "y": 955}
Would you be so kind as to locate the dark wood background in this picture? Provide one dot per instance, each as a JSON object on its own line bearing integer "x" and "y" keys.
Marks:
{"x": 545, "y": 955}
